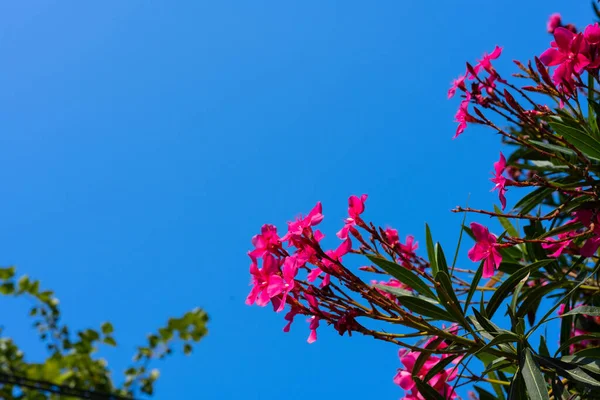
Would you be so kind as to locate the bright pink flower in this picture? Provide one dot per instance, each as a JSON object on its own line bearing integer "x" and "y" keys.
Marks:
{"x": 439, "y": 382}
{"x": 486, "y": 61}
{"x": 486, "y": 248}
{"x": 290, "y": 318}
{"x": 591, "y": 245}
{"x": 553, "y": 22}
{"x": 304, "y": 225}
{"x": 499, "y": 180}
{"x": 559, "y": 246}
{"x": 410, "y": 246}
{"x": 462, "y": 116}
{"x": 356, "y": 206}
{"x": 391, "y": 237}
{"x": 266, "y": 241}
{"x": 335, "y": 255}
{"x": 561, "y": 243}
{"x": 314, "y": 324}
{"x": 458, "y": 83}
{"x": 568, "y": 53}
{"x": 592, "y": 34}
{"x": 261, "y": 277}
{"x": 283, "y": 284}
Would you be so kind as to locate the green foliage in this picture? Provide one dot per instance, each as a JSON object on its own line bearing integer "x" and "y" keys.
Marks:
{"x": 72, "y": 361}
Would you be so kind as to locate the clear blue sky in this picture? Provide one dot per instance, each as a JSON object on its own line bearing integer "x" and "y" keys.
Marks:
{"x": 144, "y": 142}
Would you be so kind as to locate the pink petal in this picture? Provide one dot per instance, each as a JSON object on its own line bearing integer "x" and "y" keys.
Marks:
{"x": 563, "y": 38}
{"x": 552, "y": 57}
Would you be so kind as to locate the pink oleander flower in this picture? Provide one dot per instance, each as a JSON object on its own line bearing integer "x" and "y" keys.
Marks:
{"x": 335, "y": 255}
{"x": 554, "y": 22}
{"x": 356, "y": 206}
{"x": 283, "y": 284}
{"x": 462, "y": 116}
{"x": 303, "y": 226}
{"x": 587, "y": 217}
{"x": 486, "y": 61}
{"x": 266, "y": 241}
{"x": 499, "y": 180}
{"x": 568, "y": 54}
{"x": 592, "y": 33}
{"x": 486, "y": 248}
{"x": 458, "y": 83}
{"x": 314, "y": 324}
{"x": 391, "y": 237}
{"x": 562, "y": 242}
{"x": 410, "y": 246}
{"x": 439, "y": 382}
{"x": 261, "y": 278}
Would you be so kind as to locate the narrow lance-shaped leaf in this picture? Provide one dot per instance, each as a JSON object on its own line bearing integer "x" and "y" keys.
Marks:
{"x": 430, "y": 251}
{"x": 403, "y": 275}
{"x": 533, "y": 378}
{"x": 509, "y": 284}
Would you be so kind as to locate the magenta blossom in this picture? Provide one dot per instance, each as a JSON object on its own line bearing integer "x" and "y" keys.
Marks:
{"x": 261, "y": 278}
{"x": 568, "y": 54}
{"x": 266, "y": 241}
{"x": 458, "y": 83}
{"x": 592, "y": 34}
{"x": 439, "y": 382}
{"x": 587, "y": 217}
{"x": 554, "y": 22}
{"x": 499, "y": 180}
{"x": 486, "y": 248}
{"x": 304, "y": 225}
{"x": 486, "y": 61}
{"x": 462, "y": 116}
{"x": 335, "y": 255}
{"x": 356, "y": 206}
{"x": 283, "y": 284}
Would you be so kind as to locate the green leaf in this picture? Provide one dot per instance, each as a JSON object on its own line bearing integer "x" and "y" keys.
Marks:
{"x": 509, "y": 284}
{"x": 543, "y": 348}
{"x": 425, "y": 308}
{"x": 576, "y": 339}
{"x": 533, "y": 378}
{"x": 448, "y": 297}
{"x": 107, "y": 328}
{"x": 569, "y": 370}
{"x": 474, "y": 283}
{"x": 584, "y": 310}
{"x": 442, "y": 364}
{"x": 7, "y": 273}
{"x": 517, "y": 390}
{"x": 591, "y": 364}
{"x": 427, "y": 391}
{"x": 553, "y": 148}
{"x": 578, "y": 138}
{"x": 506, "y": 224}
{"x": 533, "y": 199}
{"x": 533, "y": 296}
{"x": 501, "y": 338}
{"x": 484, "y": 394}
{"x": 7, "y": 288}
{"x": 403, "y": 275}
{"x": 431, "y": 251}
{"x": 109, "y": 340}
{"x": 517, "y": 291}
{"x": 441, "y": 259}
{"x": 403, "y": 293}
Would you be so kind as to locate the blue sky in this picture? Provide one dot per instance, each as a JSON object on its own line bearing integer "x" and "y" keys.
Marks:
{"x": 144, "y": 142}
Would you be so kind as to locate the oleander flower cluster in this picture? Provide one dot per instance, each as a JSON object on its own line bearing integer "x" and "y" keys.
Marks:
{"x": 511, "y": 309}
